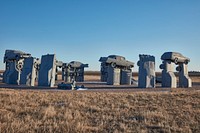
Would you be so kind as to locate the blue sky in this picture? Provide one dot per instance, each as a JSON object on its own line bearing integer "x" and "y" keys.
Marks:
{"x": 85, "y": 30}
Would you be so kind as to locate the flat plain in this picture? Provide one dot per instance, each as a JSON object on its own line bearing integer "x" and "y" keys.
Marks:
{"x": 125, "y": 110}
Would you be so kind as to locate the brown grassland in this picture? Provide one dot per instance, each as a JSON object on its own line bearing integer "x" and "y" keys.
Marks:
{"x": 86, "y": 111}
{"x": 177, "y": 110}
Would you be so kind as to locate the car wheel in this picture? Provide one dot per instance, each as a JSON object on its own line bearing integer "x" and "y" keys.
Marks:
{"x": 19, "y": 66}
{"x": 131, "y": 66}
{"x": 178, "y": 68}
{"x": 113, "y": 64}
{"x": 176, "y": 60}
{"x": 186, "y": 62}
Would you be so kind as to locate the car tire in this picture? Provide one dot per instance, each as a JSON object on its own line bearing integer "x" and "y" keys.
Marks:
{"x": 176, "y": 60}
{"x": 113, "y": 64}
{"x": 186, "y": 62}
{"x": 19, "y": 66}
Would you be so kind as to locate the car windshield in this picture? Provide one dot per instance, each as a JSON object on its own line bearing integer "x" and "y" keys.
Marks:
{"x": 117, "y": 57}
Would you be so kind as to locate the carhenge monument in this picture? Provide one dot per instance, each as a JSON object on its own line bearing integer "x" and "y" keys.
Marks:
{"x": 73, "y": 71}
{"x": 146, "y": 75}
{"x": 47, "y": 70}
{"x": 21, "y": 68}
{"x": 116, "y": 70}
{"x": 168, "y": 76}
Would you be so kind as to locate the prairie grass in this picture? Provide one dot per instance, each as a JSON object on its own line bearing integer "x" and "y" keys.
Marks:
{"x": 75, "y": 111}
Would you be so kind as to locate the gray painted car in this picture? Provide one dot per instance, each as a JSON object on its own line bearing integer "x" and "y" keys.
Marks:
{"x": 77, "y": 64}
{"x": 15, "y": 55}
{"x": 116, "y": 60}
{"x": 175, "y": 57}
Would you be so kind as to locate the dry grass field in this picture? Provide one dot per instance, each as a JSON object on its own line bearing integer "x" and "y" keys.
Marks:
{"x": 26, "y": 110}
{"x": 86, "y": 111}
